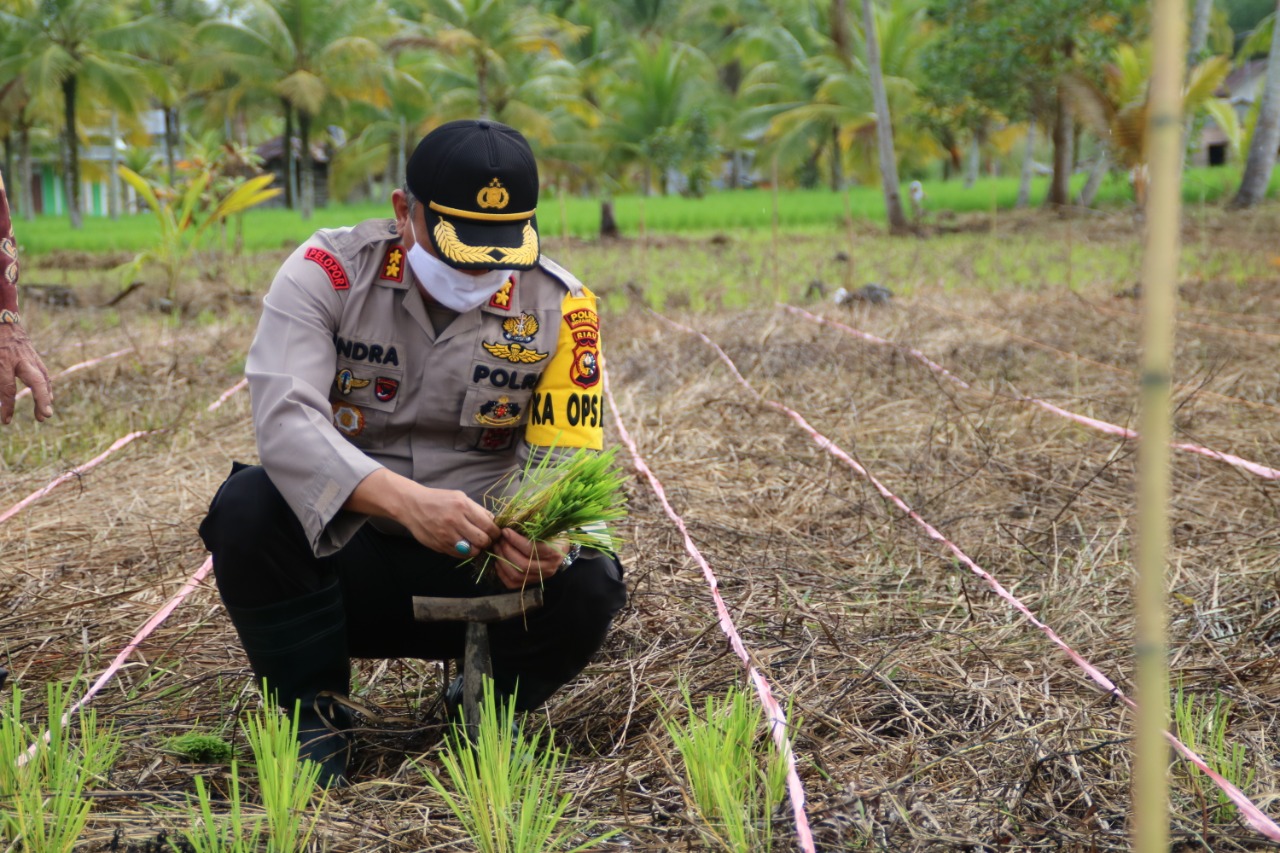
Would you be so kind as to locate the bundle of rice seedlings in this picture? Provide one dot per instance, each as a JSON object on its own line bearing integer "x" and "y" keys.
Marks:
{"x": 577, "y": 497}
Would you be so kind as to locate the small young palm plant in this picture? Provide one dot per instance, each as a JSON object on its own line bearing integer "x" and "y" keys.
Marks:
{"x": 43, "y": 780}
{"x": 505, "y": 789}
{"x": 734, "y": 790}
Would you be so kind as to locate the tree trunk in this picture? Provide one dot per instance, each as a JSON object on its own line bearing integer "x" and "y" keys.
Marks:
{"x": 837, "y": 161}
{"x": 608, "y": 225}
{"x": 286, "y": 151}
{"x": 403, "y": 159}
{"x": 975, "y": 160}
{"x": 113, "y": 176}
{"x": 25, "y": 196}
{"x": 1028, "y": 161}
{"x": 482, "y": 83}
{"x": 1266, "y": 136}
{"x": 1063, "y": 155}
{"x": 307, "y": 172}
{"x": 171, "y": 143}
{"x": 71, "y": 153}
{"x": 840, "y": 32}
{"x": 1099, "y": 171}
{"x": 1199, "y": 32}
{"x": 8, "y": 161}
{"x": 884, "y": 126}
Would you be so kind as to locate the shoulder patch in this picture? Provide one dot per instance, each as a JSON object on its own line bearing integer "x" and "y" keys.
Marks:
{"x": 328, "y": 263}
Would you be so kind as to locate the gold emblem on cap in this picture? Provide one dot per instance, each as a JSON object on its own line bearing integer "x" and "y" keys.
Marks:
{"x": 495, "y": 195}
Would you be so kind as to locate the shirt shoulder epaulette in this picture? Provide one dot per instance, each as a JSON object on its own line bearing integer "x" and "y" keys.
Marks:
{"x": 562, "y": 275}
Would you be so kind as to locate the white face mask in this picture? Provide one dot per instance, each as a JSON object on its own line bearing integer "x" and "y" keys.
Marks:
{"x": 454, "y": 289}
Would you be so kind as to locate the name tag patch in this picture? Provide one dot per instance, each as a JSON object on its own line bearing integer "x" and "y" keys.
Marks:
{"x": 500, "y": 377}
{"x": 372, "y": 353}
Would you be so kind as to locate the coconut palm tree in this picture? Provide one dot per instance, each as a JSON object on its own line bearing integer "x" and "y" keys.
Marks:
{"x": 661, "y": 86}
{"x": 884, "y": 124}
{"x": 1117, "y": 112}
{"x": 502, "y": 53}
{"x": 80, "y": 49}
{"x": 1266, "y": 134}
{"x": 306, "y": 53}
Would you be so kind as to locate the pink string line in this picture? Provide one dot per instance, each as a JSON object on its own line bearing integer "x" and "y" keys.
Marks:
{"x": 777, "y": 718}
{"x": 1254, "y": 468}
{"x": 1252, "y": 814}
{"x": 78, "y": 367}
{"x": 145, "y": 631}
{"x": 156, "y": 618}
{"x": 226, "y": 395}
{"x": 72, "y": 474}
{"x": 95, "y": 461}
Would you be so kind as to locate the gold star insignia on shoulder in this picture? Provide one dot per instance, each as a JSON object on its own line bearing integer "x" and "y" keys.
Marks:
{"x": 515, "y": 353}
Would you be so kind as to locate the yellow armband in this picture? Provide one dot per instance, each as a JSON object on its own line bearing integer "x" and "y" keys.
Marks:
{"x": 567, "y": 408}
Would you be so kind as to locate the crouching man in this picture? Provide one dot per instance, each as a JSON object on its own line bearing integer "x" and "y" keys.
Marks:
{"x": 403, "y": 369}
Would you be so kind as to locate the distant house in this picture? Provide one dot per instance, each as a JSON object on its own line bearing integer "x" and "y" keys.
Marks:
{"x": 272, "y": 154}
{"x": 1243, "y": 87}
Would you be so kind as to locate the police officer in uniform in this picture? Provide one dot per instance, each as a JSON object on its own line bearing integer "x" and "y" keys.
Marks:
{"x": 402, "y": 373}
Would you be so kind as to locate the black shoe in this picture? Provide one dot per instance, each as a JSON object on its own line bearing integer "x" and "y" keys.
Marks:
{"x": 324, "y": 737}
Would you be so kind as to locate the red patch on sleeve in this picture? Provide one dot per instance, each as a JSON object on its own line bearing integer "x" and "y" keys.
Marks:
{"x": 333, "y": 269}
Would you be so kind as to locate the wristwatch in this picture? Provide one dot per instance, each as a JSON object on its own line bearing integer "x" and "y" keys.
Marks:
{"x": 574, "y": 551}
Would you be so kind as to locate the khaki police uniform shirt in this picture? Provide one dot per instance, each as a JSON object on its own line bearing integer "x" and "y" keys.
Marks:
{"x": 348, "y": 374}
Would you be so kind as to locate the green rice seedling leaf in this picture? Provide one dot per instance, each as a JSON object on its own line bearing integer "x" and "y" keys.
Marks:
{"x": 288, "y": 785}
{"x": 44, "y": 780}
{"x": 505, "y": 789}
{"x": 733, "y": 789}
{"x": 212, "y": 833}
{"x": 1204, "y": 730}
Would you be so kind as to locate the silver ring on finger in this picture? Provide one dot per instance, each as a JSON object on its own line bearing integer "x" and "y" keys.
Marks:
{"x": 463, "y": 547}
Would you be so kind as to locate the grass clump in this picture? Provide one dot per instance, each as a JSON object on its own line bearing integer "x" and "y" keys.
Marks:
{"x": 1203, "y": 728}
{"x": 43, "y": 780}
{"x": 288, "y": 785}
{"x": 201, "y": 748}
{"x": 289, "y": 788}
{"x": 733, "y": 791}
{"x": 232, "y": 833}
{"x": 505, "y": 789}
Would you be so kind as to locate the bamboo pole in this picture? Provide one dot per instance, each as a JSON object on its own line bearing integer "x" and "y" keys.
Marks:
{"x": 1160, "y": 271}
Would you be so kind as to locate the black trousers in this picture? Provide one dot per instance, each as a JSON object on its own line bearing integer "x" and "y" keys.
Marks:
{"x": 262, "y": 560}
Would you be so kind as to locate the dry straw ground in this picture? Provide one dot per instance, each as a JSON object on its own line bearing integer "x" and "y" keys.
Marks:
{"x": 930, "y": 717}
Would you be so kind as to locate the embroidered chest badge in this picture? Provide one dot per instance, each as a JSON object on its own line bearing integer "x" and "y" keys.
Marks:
{"x": 337, "y": 275}
{"x": 520, "y": 331}
{"x": 584, "y": 327}
{"x": 393, "y": 264}
{"x": 499, "y": 413}
{"x": 502, "y": 299}
{"x": 347, "y": 382}
{"x": 348, "y": 419}
{"x": 385, "y": 389}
